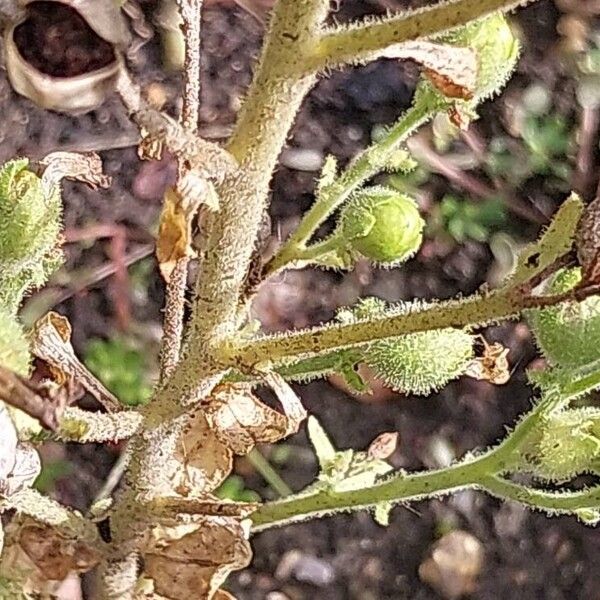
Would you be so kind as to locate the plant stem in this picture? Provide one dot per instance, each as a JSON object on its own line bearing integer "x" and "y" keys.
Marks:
{"x": 173, "y": 320}
{"x": 480, "y": 472}
{"x": 362, "y": 41}
{"x": 401, "y": 488}
{"x": 365, "y": 166}
{"x": 477, "y": 310}
{"x": 268, "y": 473}
{"x": 191, "y": 11}
{"x": 265, "y": 119}
{"x": 558, "y": 502}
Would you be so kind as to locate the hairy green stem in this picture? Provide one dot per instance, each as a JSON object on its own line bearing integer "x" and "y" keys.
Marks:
{"x": 475, "y": 311}
{"x": 361, "y": 42}
{"x": 558, "y": 502}
{"x": 268, "y": 473}
{"x": 473, "y": 472}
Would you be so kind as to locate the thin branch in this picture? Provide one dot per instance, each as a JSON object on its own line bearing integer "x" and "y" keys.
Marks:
{"x": 471, "y": 184}
{"x": 556, "y": 502}
{"x": 363, "y": 41}
{"x": 470, "y": 473}
{"x": 268, "y": 473}
{"x": 191, "y": 11}
{"x": 173, "y": 320}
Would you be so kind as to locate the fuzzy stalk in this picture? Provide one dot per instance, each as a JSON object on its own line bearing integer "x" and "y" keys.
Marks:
{"x": 474, "y": 472}
{"x": 361, "y": 42}
{"x": 477, "y": 310}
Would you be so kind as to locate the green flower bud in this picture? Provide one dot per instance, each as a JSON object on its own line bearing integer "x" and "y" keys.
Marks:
{"x": 567, "y": 334}
{"x": 416, "y": 363}
{"x": 30, "y": 221}
{"x": 382, "y": 225}
{"x": 14, "y": 349}
{"x": 569, "y": 445}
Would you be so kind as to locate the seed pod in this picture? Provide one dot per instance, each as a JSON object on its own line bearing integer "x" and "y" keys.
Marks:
{"x": 587, "y": 242}
{"x": 382, "y": 225}
{"x": 415, "y": 363}
{"x": 568, "y": 445}
{"x": 66, "y": 55}
{"x": 568, "y": 334}
{"x": 14, "y": 349}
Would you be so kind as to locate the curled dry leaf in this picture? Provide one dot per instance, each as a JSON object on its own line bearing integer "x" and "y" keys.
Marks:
{"x": 450, "y": 69}
{"x": 51, "y": 342}
{"x": 241, "y": 420}
{"x": 492, "y": 366}
{"x": 174, "y": 231}
{"x": 84, "y": 167}
{"x": 293, "y": 410}
{"x": 232, "y": 421}
{"x": 192, "y": 559}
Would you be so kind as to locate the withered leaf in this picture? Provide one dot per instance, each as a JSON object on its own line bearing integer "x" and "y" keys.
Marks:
{"x": 174, "y": 233}
{"x": 206, "y": 460}
{"x": 492, "y": 366}
{"x": 241, "y": 420}
{"x": 19, "y": 462}
{"x": 51, "y": 342}
{"x": 192, "y": 559}
{"x": 84, "y": 167}
{"x": 450, "y": 69}
{"x": 54, "y": 554}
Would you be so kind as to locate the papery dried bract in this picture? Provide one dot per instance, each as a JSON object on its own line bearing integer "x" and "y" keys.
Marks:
{"x": 192, "y": 559}
{"x": 51, "y": 342}
{"x": 40, "y": 557}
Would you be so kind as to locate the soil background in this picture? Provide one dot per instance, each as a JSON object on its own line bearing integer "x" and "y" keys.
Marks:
{"x": 526, "y": 555}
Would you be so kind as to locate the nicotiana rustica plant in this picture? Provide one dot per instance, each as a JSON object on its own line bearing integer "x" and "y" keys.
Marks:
{"x": 165, "y": 533}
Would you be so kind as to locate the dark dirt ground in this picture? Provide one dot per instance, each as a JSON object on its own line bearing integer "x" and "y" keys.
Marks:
{"x": 527, "y": 556}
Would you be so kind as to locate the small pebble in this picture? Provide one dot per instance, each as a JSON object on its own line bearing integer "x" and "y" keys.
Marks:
{"x": 454, "y": 564}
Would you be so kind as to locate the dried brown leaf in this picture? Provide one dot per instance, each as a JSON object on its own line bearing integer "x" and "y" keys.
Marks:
{"x": 174, "y": 232}
{"x": 492, "y": 366}
{"x": 192, "y": 559}
{"x": 450, "y": 69}
{"x": 54, "y": 554}
{"x": 84, "y": 167}
{"x": 51, "y": 342}
{"x": 206, "y": 460}
{"x": 240, "y": 420}
{"x": 40, "y": 556}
